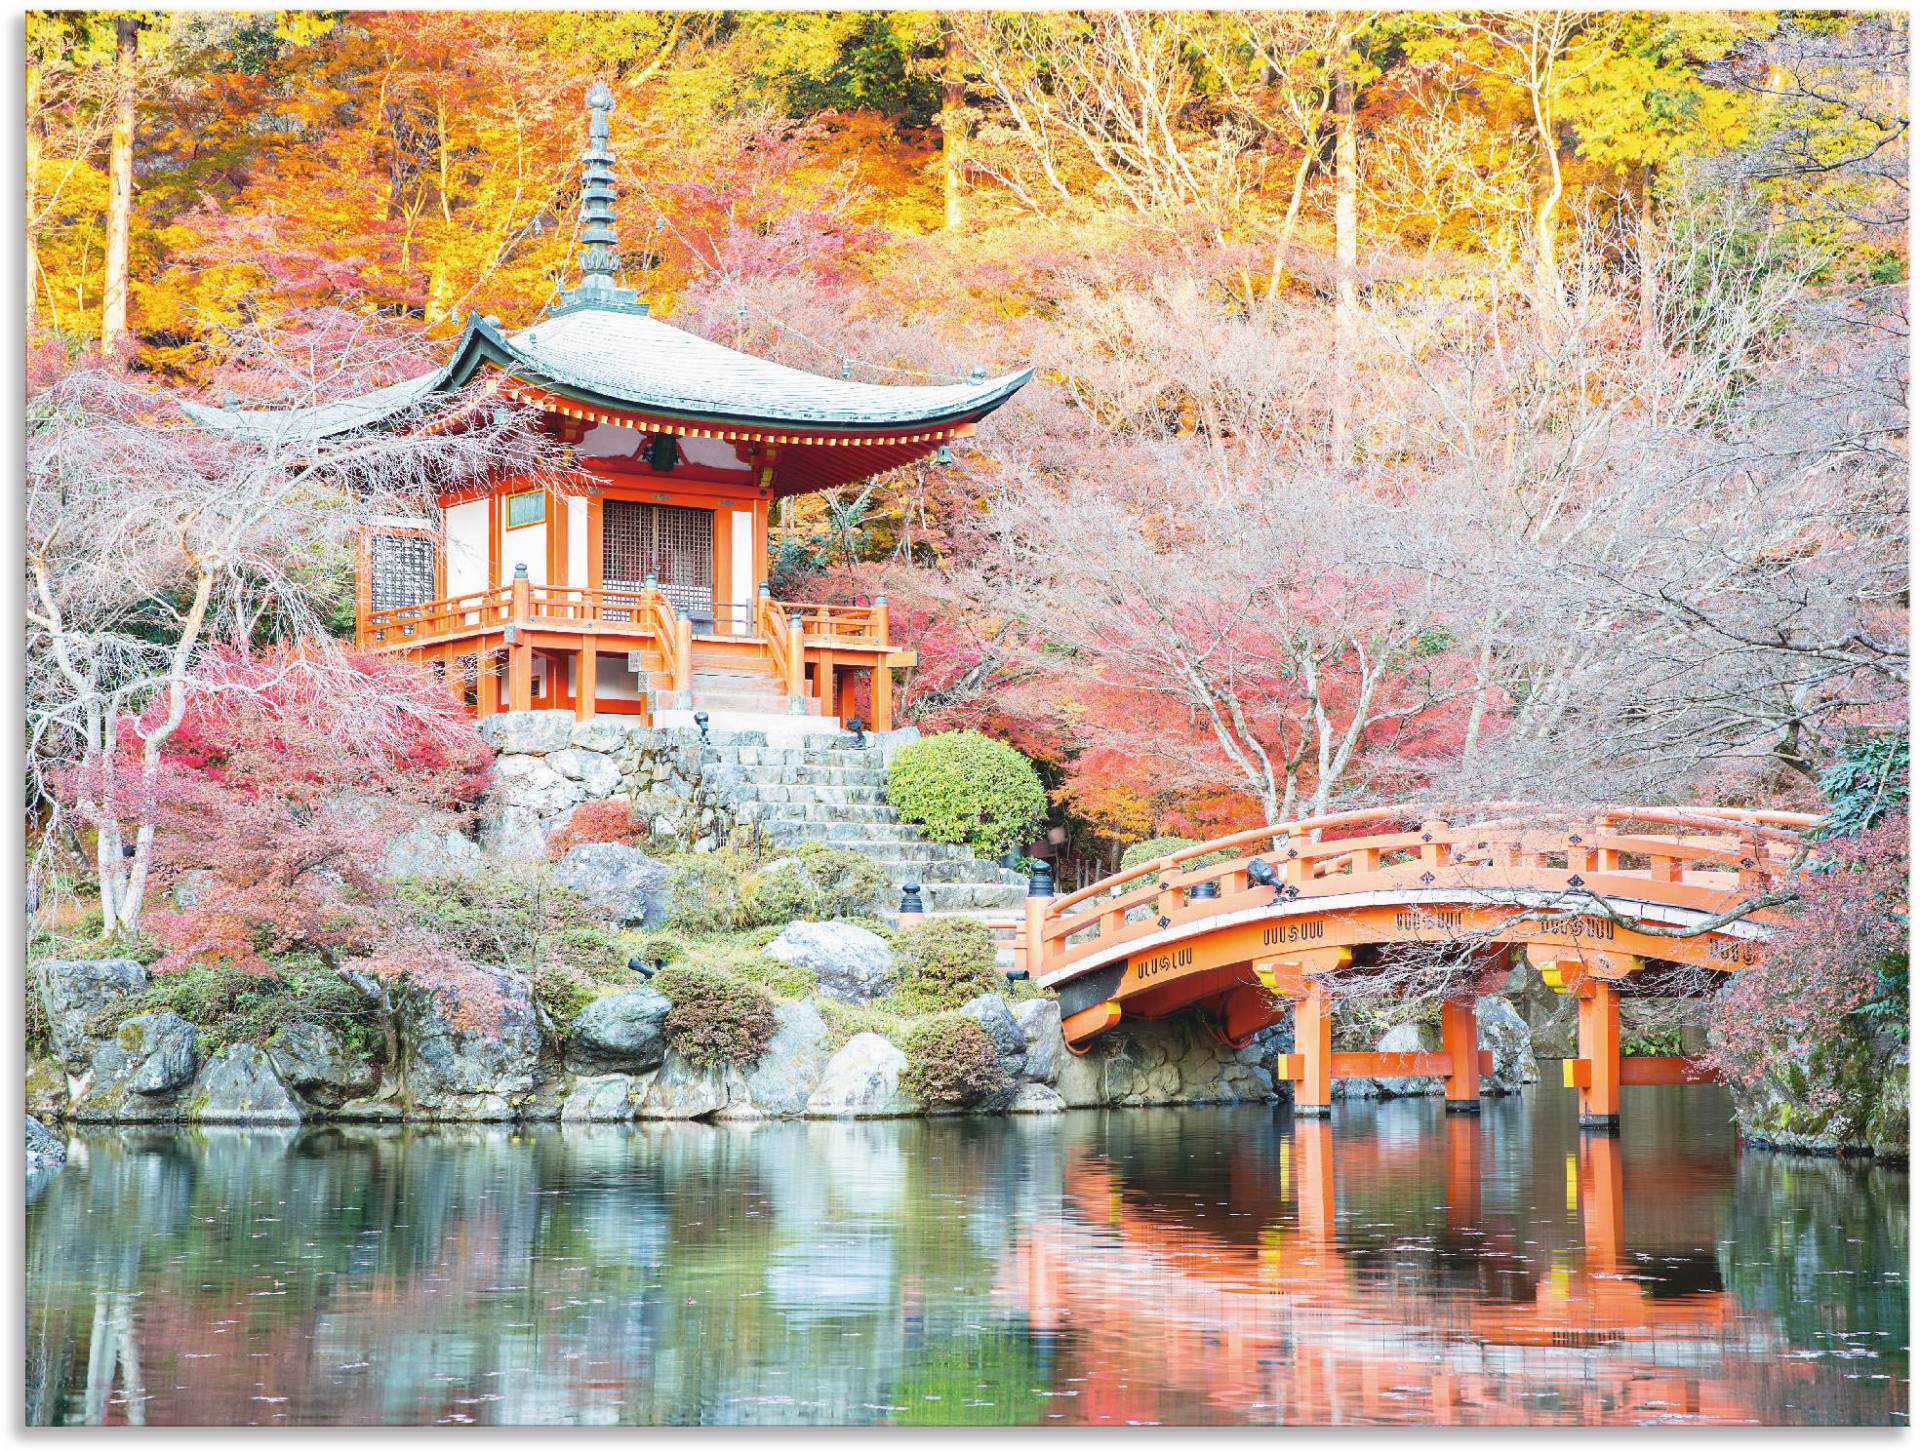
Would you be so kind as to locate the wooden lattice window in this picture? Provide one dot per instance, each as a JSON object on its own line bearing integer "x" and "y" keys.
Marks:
{"x": 674, "y": 545}
{"x": 403, "y": 570}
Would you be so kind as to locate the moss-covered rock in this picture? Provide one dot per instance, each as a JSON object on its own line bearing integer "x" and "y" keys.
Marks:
{"x": 1848, "y": 1095}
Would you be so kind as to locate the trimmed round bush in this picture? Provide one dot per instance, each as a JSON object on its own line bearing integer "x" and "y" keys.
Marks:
{"x": 951, "y": 1063}
{"x": 715, "y": 1019}
{"x": 944, "y": 962}
{"x": 968, "y": 789}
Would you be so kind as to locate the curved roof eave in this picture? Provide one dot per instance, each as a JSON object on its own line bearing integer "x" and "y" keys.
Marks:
{"x": 482, "y": 343}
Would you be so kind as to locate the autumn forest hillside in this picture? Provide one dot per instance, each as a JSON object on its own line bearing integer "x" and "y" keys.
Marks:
{"x": 1466, "y": 405}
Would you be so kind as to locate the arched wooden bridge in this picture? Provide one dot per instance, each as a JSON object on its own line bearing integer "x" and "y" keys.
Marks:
{"x": 1624, "y": 900}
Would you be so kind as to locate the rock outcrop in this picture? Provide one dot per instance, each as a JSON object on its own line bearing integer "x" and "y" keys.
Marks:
{"x": 619, "y": 1033}
{"x": 1170, "y": 1061}
{"x": 847, "y": 961}
{"x": 239, "y": 1085}
{"x": 141, "y": 1072}
{"x": 44, "y": 1149}
{"x": 75, "y": 993}
{"x": 479, "y": 1072}
{"x": 862, "y": 1080}
{"x": 317, "y": 1064}
{"x": 1846, "y": 1097}
{"x": 622, "y": 881}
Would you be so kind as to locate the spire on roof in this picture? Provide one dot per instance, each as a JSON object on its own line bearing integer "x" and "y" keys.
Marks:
{"x": 600, "y": 240}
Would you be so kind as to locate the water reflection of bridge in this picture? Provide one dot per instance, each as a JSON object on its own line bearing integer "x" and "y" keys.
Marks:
{"x": 1276, "y": 1300}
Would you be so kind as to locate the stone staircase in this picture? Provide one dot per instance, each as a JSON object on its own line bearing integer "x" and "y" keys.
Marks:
{"x": 829, "y": 790}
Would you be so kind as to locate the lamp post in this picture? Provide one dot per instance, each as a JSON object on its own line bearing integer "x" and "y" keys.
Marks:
{"x": 1039, "y": 899}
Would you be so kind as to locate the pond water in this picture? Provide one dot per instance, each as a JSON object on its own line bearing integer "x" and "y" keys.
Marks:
{"x": 1184, "y": 1266}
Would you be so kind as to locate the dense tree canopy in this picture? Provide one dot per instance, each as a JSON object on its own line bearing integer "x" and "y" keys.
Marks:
{"x": 1504, "y": 403}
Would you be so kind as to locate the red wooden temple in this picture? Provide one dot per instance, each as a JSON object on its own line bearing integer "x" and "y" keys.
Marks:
{"x": 645, "y": 593}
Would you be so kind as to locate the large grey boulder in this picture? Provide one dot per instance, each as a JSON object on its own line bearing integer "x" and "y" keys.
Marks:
{"x": 862, "y": 1080}
{"x": 44, "y": 1148}
{"x": 598, "y": 775}
{"x": 783, "y": 1080}
{"x": 1504, "y": 1033}
{"x": 74, "y": 993}
{"x": 849, "y": 962}
{"x": 622, "y": 881}
{"x": 622, "y": 1032}
{"x": 238, "y": 1085}
{"x": 485, "y": 1070}
{"x": 1036, "y": 1098}
{"x": 529, "y": 782}
{"x": 991, "y": 1012}
{"x": 515, "y": 833}
{"x": 139, "y": 1073}
{"x": 604, "y": 1098}
{"x": 316, "y": 1063}
{"x": 604, "y": 734}
{"x": 1401, "y": 1038}
{"x": 1039, "y": 1020}
{"x": 683, "y": 1089}
{"x": 433, "y": 851}
{"x": 528, "y": 732}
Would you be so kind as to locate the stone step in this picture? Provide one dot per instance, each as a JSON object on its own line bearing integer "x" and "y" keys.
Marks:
{"x": 815, "y": 795}
{"x": 1003, "y": 898}
{"x": 811, "y": 811}
{"x": 895, "y": 857}
{"x": 876, "y": 839}
{"x": 974, "y": 870}
{"x": 813, "y": 776}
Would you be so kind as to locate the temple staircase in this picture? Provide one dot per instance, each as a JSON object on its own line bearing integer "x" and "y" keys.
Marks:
{"x": 832, "y": 791}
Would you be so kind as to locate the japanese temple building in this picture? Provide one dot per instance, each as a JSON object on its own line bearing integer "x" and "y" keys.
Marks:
{"x": 644, "y": 593}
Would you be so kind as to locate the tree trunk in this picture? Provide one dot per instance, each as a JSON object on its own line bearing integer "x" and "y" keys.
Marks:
{"x": 33, "y": 192}
{"x": 953, "y": 129}
{"x": 113, "y": 300}
{"x": 1346, "y": 244}
{"x": 1643, "y": 245}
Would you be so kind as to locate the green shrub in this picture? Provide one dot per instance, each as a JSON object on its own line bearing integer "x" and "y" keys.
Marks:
{"x": 815, "y": 883}
{"x": 849, "y": 883}
{"x": 742, "y": 957}
{"x": 230, "y": 1006}
{"x": 968, "y": 789}
{"x": 944, "y": 961}
{"x": 141, "y": 949}
{"x": 515, "y": 916}
{"x": 709, "y": 891}
{"x": 715, "y": 1018}
{"x": 778, "y": 895}
{"x": 951, "y": 1063}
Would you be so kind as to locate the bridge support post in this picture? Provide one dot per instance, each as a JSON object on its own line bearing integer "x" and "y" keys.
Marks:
{"x": 1600, "y": 1051}
{"x": 1460, "y": 1041}
{"x": 1313, "y": 1041}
